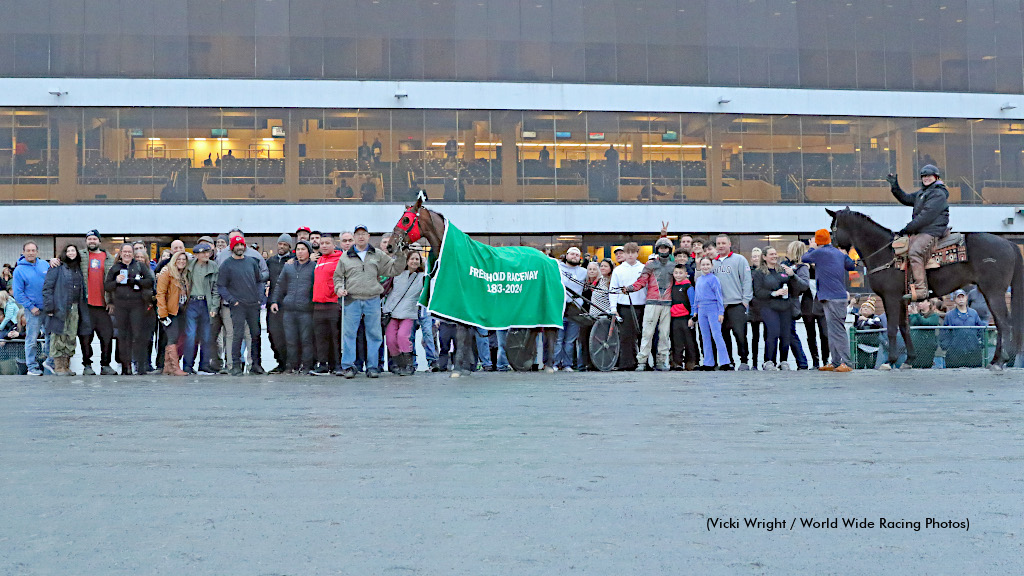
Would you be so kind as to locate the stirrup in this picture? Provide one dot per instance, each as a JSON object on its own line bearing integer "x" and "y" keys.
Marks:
{"x": 914, "y": 297}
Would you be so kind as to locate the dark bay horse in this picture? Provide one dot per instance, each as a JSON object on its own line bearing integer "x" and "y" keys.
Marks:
{"x": 419, "y": 223}
{"x": 994, "y": 265}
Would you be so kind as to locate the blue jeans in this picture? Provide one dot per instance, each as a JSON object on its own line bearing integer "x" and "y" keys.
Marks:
{"x": 795, "y": 346}
{"x": 426, "y": 324}
{"x": 33, "y": 326}
{"x": 565, "y": 344}
{"x": 483, "y": 348}
{"x": 883, "y": 349}
{"x": 355, "y": 311}
{"x": 197, "y": 333}
{"x": 503, "y": 365}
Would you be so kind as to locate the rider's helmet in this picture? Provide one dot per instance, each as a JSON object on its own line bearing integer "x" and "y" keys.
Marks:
{"x": 930, "y": 170}
{"x": 663, "y": 242}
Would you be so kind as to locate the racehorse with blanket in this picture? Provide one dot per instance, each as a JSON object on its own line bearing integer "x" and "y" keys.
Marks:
{"x": 476, "y": 286}
{"x": 955, "y": 260}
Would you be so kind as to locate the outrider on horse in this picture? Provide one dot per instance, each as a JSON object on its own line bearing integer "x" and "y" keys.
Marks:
{"x": 993, "y": 263}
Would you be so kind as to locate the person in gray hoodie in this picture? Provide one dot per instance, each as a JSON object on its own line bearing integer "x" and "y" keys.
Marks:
{"x": 733, "y": 273}
{"x": 293, "y": 297}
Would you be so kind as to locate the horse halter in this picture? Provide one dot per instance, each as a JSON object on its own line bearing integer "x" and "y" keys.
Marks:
{"x": 410, "y": 225}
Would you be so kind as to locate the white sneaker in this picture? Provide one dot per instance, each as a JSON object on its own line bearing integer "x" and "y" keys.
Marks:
{"x": 34, "y": 372}
{"x": 567, "y": 369}
{"x": 783, "y": 365}
{"x": 885, "y": 367}
{"x": 550, "y": 370}
{"x": 769, "y": 365}
{"x": 743, "y": 368}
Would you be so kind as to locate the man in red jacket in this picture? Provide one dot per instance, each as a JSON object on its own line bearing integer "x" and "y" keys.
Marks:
{"x": 326, "y": 315}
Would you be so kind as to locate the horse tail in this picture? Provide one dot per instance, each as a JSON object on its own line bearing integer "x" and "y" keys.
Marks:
{"x": 1017, "y": 308}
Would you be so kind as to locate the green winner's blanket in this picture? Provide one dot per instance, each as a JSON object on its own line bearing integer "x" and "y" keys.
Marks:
{"x": 493, "y": 288}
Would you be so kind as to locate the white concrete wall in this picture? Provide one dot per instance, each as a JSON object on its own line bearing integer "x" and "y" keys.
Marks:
{"x": 135, "y": 220}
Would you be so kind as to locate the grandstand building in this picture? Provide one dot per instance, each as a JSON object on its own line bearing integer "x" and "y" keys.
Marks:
{"x": 538, "y": 122}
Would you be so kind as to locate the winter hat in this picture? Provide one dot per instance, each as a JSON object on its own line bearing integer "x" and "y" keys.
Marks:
{"x": 286, "y": 239}
{"x": 309, "y": 247}
{"x": 223, "y": 237}
{"x": 822, "y": 237}
{"x": 93, "y": 232}
{"x": 235, "y": 241}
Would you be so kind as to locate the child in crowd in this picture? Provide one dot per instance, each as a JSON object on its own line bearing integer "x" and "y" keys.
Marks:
{"x": 868, "y": 342}
{"x": 684, "y": 350}
{"x": 709, "y": 310}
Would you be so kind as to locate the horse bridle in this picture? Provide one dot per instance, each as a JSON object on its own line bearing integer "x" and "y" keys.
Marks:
{"x": 873, "y": 254}
{"x": 410, "y": 227}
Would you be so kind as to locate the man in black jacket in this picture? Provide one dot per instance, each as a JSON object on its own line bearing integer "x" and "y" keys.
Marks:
{"x": 275, "y": 322}
{"x": 240, "y": 287}
{"x": 931, "y": 219}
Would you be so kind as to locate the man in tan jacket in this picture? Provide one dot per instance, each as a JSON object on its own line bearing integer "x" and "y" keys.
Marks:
{"x": 357, "y": 282}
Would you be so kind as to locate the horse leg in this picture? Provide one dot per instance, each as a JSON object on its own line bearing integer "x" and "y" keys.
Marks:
{"x": 996, "y": 300}
{"x": 907, "y": 343}
{"x": 892, "y": 306}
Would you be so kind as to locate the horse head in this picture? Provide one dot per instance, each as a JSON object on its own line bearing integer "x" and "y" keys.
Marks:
{"x": 840, "y": 228}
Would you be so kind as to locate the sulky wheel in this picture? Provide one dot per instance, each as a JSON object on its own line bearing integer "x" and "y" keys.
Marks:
{"x": 521, "y": 348}
{"x": 604, "y": 344}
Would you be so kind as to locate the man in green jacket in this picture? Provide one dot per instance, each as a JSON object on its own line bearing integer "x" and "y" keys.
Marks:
{"x": 357, "y": 282}
{"x": 203, "y": 305}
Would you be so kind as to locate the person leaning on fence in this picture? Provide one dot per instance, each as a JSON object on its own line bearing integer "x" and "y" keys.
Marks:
{"x": 831, "y": 266}
{"x": 9, "y": 309}
{"x": 869, "y": 335}
{"x": 963, "y": 345}
{"x": 926, "y": 338}
{"x": 63, "y": 303}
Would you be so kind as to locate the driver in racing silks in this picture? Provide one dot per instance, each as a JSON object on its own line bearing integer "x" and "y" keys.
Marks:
{"x": 657, "y": 278}
{"x": 929, "y": 224}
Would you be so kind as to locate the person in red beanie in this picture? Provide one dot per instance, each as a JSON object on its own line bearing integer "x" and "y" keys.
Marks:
{"x": 240, "y": 284}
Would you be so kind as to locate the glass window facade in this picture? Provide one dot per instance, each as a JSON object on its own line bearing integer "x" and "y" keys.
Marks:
{"x": 966, "y": 45}
{"x": 68, "y": 155}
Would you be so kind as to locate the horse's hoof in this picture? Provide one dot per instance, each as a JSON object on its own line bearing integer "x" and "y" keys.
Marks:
{"x": 885, "y": 367}
{"x": 995, "y": 367}
{"x": 905, "y": 366}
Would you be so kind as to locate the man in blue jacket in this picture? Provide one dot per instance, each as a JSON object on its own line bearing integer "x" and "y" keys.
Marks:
{"x": 29, "y": 275}
{"x": 831, "y": 267}
{"x": 963, "y": 346}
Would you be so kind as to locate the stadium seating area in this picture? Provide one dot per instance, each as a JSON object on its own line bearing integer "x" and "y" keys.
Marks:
{"x": 133, "y": 171}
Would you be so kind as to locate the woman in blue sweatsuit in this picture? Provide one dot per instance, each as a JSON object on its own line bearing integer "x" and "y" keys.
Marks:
{"x": 708, "y": 309}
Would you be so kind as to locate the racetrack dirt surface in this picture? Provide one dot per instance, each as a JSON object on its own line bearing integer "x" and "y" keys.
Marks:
{"x": 518, "y": 474}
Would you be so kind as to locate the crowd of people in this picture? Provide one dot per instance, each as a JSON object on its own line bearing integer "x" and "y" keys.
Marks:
{"x": 336, "y": 304}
